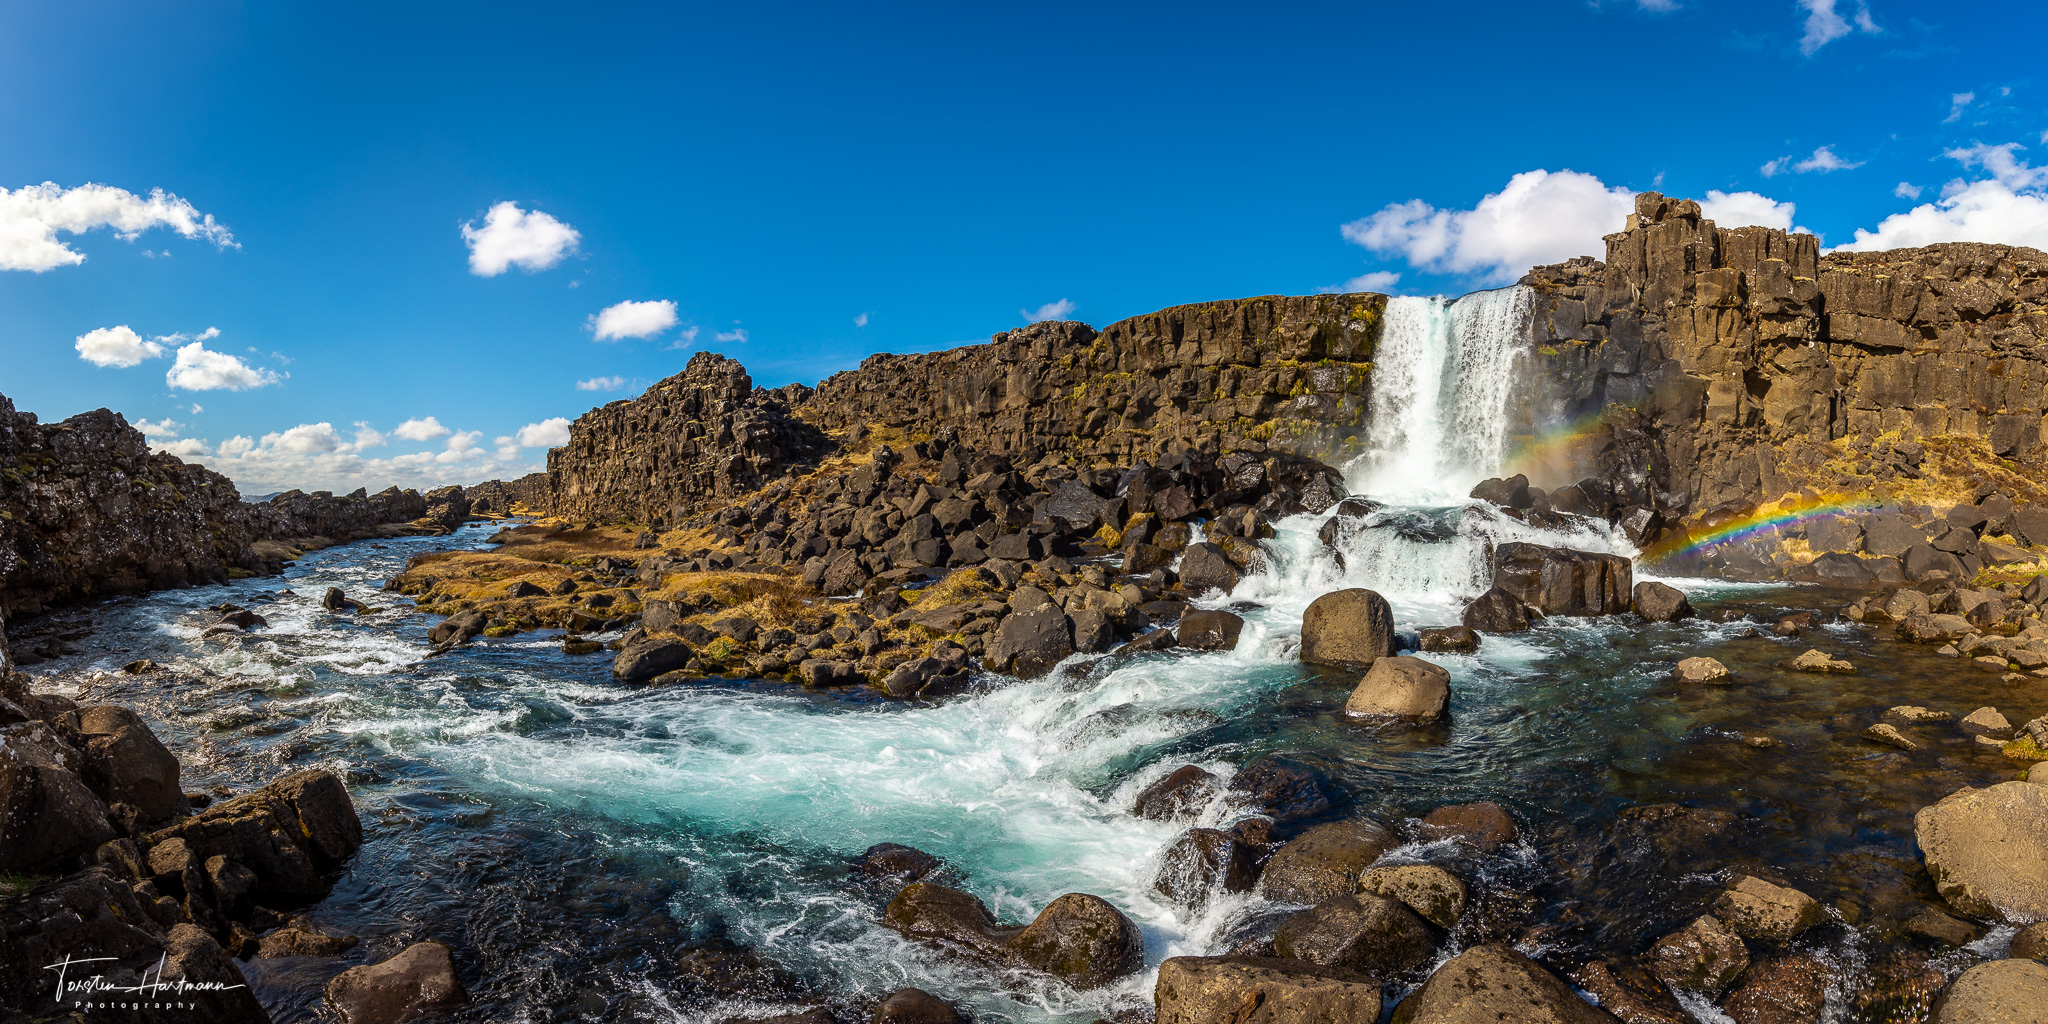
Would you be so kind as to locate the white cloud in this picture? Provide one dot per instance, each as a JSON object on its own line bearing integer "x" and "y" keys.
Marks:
{"x": 1956, "y": 103}
{"x": 189, "y": 448}
{"x": 115, "y": 346}
{"x": 1540, "y": 217}
{"x": 505, "y": 448}
{"x": 306, "y": 439}
{"x": 366, "y": 437}
{"x": 861, "y": 320}
{"x": 1825, "y": 160}
{"x": 2008, "y": 208}
{"x": 1659, "y": 6}
{"x": 315, "y": 456}
{"x": 633, "y": 320}
{"x": 1824, "y": 24}
{"x": 462, "y": 447}
{"x": 1747, "y": 209}
{"x": 685, "y": 337}
{"x": 601, "y": 384}
{"x": 1907, "y": 190}
{"x": 30, "y": 218}
{"x": 738, "y": 334}
{"x": 1371, "y": 281}
{"x": 531, "y": 241}
{"x": 1773, "y": 168}
{"x": 419, "y": 430}
{"x": 548, "y": 433}
{"x": 201, "y": 369}
{"x": 159, "y": 428}
{"x": 197, "y": 408}
{"x": 1049, "y": 311}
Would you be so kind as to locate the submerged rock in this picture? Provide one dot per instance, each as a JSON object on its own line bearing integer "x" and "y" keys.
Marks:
{"x": 1485, "y": 825}
{"x": 915, "y": 1006}
{"x": 1181, "y": 793}
{"x": 1347, "y": 628}
{"x": 1202, "y": 861}
{"x": 1449, "y": 640}
{"x": 1282, "y": 790}
{"x": 895, "y": 862}
{"x": 1704, "y": 956}
{"x": 1246, "y": 989}
{"x": 1889, "y": 735}
{"x": 1700, "y": 670}
{"x": 422, "y": 976}
{"x": 1491, "y": 984}
{"x": 1766, "y": 913}
{"x": 1401, "y": 689}
{"x": 1631, "y": 993}
{"x": 1789, "y": 989}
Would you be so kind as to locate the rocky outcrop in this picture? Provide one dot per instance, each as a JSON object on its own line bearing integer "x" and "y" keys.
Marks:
{"x": 1078, "y": 938}
{"x": 88, "y": 511}
{"x": 420, "y": 977}
{"x": 1724, "y": 360}
{"x": 704, "y": 435}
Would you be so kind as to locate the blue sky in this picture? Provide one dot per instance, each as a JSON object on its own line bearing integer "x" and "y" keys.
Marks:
{"x": 818, "y": 183}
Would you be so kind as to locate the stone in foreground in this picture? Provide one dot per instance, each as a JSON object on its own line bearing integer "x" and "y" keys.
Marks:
{"x": 1371, "y": 934}
{"x": 1402, "y": 689}
{"x": 1987, "y": 850}
{"x": 1324, "y": 862}
{"x": 1998, "y": 992}
{"x": 1348, "y": 628}
{"x": 420, "y": 977}
{"x": 1494, "y": 984}
{"x": 1428, "y": 890}
{"x": 1261, "y": 990}
{"x": 1762, "y": 912}
{"x": 915, "y": 1006}
{"x": 1704, "y": 956}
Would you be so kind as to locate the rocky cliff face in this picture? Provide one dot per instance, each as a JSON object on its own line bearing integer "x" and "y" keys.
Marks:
{"x": 1723, "y": 362}
{"x": 86, "y": 510}
{"x": 704, "y": 435}
{"x": 1274, "y": 373}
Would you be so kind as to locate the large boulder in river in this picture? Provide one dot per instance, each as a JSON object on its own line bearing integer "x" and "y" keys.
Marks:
{"x": 1324, "y": 862}
{"x": 1209, "y": 630}
{"x": 1081, "y": 940}
{"x": 927, "y": 910}
{"x": 1282, "y": 790}
{"x": 420, "y": 977}
{"x": 1496, "y": 611}
{"x": 1202, "y": 861}
{"x": 1998, "y": 992}
{"x": 1491, "y": 984}
{"x": 458, "y": 628}
{"x": 47, "y": 815}
{"x": 1987, "y": 850}
{"x": 1401, "y": 689}
{"x": 1366, "y": 932}
{"x": 648, "y": 656}
{"x": 291, "y": 833}
{"x": 1209, "y": 989}
{"x": 1182, "y": 793}
{"x": 1205, "y": 567}
{"x": 1704, "y": 956}
{"x": 1561, "y": 581}
{"x": 1660, "y": 602}
{"x": 1347, "y": 628}
{"x": 1030, "y": 643}
{"x": 123, "y": 761}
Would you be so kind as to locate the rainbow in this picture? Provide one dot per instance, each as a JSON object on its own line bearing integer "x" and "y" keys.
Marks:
{"x": 1765, "y": 520}
{"x": 1549, "y": 452}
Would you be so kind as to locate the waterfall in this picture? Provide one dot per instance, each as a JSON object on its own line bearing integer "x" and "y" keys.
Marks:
{"x": 1441, "y": 377}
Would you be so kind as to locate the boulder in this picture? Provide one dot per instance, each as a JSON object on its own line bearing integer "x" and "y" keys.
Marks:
{"x": 1484, "y": 826}
{"x": 1435, "y": 894}
{"x": 289, "y": 833}
{"x": 1889, "y": 735}
{"x": 1081, "y": 940}
{"x": 895, "y": 862}
{"x": 648, "y": 656}
{"x": 1941, "y": 929}
{"x": 1762, "y": 912}
{"x": 1030, "y": 643}
{"x": 1448, "y": 640}
{"x": 1788, "y": 989}
{"x": 2031, "y": 943}
{"x": 1204, "y": 567}
{"x": 825, "y": 673}
{"x": 1494, "y": 984}
{"x": 1630, "y": 993}
{"x": 1094, "y": 634}
{"x": 1934, "y": 629}
{"x": 47, "y": 815}
{"x": 422, "y": 976}
{"x": 1202, "y": 861}
{"x": 1401, "y": 689}
{"x": 1998, "y": 992}
{"x": 122, "y": 760}
{"x": 1281, "y": 789}
{"x": 1367, "y": 933}
{"x": 1704, "y": 956}
{"x": 1891, "y": 535}
{"x": 1987, "y": 722}
{"x": 299, "y": 939}
{"x": 1816, "y": 660}
{"x": 1261, "y": 990}
{"x": 1659, "y": 602}
{"x": 927, "y": 910}
{"x": 458, "y": 628}
{"x": 1209, "y": 630}
{"x": 1497, "y": 611}
{"x": 1324, "y": 862}
{"x": 1512, "y": 492}
{"x": 1700, "y": 670}
{"x": 914, "y": 1006}
{"x": 1347, "y": 628}
{"x": 1987, "y": 850}
{"x": 1182, "y": 793}
{"x": 1562, "y": 581}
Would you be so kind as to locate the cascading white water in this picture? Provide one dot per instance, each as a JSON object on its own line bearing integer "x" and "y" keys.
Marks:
{"x": 1441, "y": 377}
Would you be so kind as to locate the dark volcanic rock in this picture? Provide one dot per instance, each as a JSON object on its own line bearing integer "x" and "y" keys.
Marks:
{"x": 1282, "y": 790}
{"x": 1560, "y": 581}
{"x": 420, "y": 977}
{"x": 1203, "y": 860}
{"x": 1182, "y": 793}
{"x": 1497, "y": 611}
{"x": 291, "y": 833}
{"x": 1204, "y": 567}
{"x": 1660, "y": 603}
{"x": 1209, "y": 630}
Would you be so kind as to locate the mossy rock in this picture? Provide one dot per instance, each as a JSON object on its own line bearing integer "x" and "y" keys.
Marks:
{"x": 502, "y": 631}
{"x": 2025, "y": 749}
